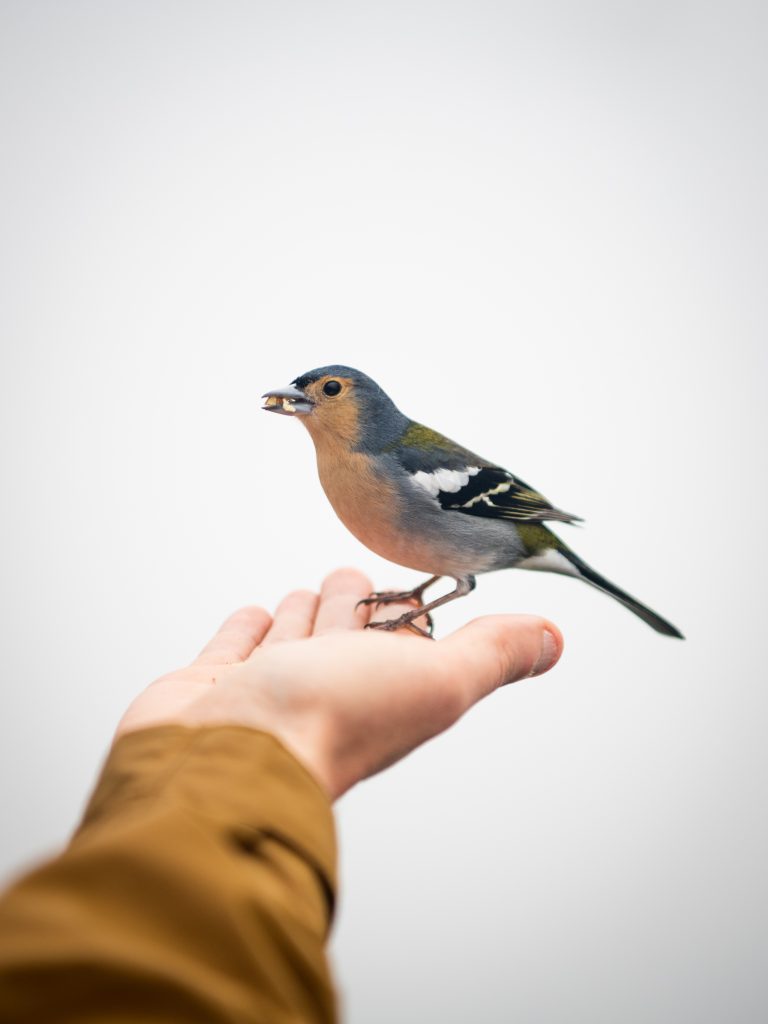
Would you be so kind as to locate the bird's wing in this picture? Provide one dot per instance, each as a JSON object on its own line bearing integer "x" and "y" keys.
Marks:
{"x": 498, "y": 494}
{"x": 461, "y": 481}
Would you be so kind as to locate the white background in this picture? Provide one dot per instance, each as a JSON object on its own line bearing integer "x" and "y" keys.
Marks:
{"x": 541, "y": 227}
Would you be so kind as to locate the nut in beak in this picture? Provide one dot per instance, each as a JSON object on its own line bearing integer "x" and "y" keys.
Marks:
{"x": 288, "y": 401}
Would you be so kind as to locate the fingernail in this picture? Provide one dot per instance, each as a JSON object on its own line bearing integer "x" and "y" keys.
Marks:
{"x": 547, "y": 655}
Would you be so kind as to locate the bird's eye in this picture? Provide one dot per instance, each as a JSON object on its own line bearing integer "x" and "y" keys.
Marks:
{"x": 331, "y": 388}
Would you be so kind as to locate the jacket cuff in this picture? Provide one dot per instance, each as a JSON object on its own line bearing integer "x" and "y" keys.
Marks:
{"x": 239, "y": 777}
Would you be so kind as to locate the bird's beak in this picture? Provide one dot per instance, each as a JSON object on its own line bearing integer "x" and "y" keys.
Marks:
{"x": 288, "y": 401}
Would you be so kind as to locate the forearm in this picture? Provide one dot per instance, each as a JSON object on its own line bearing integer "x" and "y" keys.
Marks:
{"x": 197, "y": 888}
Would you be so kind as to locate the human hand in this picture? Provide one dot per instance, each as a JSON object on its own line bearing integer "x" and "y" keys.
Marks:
{"x": 346, "y": 701}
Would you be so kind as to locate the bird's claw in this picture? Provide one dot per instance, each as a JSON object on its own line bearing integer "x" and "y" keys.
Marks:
{"x": 380, "y": 597}
{"x": 405, "y": 621}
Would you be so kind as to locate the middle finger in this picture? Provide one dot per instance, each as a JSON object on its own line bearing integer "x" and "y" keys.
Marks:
{"x": 294, "y": 617}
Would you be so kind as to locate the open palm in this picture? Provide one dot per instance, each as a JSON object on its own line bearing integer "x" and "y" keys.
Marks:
{"x": 346, "y": 700}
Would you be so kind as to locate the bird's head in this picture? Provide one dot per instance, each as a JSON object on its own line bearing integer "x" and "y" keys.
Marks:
{"x": 341, "y": 404}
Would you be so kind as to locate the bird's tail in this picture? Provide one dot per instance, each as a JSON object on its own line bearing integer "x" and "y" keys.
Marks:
{"x": 587, "y": 573}
{"x": 560, "y": 558}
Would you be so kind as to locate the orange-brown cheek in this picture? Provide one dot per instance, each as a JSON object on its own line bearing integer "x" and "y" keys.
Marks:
{"x": 334, "y": 424}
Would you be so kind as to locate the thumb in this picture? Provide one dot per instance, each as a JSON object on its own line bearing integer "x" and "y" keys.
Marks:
{"x": 499, "y": 649}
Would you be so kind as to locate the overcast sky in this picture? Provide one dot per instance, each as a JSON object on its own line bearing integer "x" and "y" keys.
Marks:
{"x": 541, "y": 227}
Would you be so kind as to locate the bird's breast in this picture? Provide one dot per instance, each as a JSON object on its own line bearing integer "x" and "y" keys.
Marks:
{"x": 402, "y": 527}
{"x": 369, "y": 506}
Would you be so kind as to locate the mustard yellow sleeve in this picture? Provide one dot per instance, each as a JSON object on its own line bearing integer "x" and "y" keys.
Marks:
{"x": 198, "y": 887}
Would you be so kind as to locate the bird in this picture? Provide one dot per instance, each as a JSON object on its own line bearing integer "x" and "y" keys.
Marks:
{"x": 415, "y": 497}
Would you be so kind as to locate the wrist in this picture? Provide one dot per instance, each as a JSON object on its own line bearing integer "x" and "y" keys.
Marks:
{"x": 301, "y": 732}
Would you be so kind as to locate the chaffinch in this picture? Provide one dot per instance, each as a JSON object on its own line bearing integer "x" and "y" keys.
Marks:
{"x": 421, "y": 500}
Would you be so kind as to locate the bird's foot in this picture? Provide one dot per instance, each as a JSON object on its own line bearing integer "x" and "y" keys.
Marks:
{"x": 380, "y": 597}
{"x": 405, "y": 621}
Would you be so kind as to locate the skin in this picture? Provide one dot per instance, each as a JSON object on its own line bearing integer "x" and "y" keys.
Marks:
{"x": 346, "y": 701}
